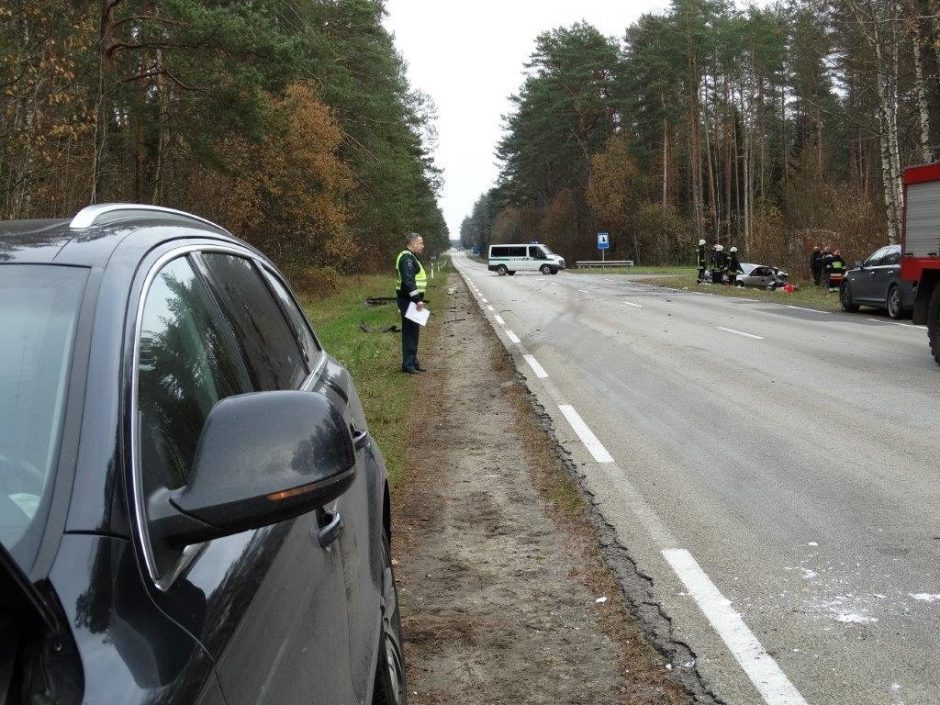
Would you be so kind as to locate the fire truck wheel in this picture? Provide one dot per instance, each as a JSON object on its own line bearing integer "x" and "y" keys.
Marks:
{"x": 933, "y": 323}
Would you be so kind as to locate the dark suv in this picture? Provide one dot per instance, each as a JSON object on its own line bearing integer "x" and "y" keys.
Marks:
{"x": 877, "y": 282}
{"x": 191, "y": 506}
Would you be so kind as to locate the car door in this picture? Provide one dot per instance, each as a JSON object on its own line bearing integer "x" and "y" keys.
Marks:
{"x": 359, "y": 510}
{"x": 267, "y": 604}
{"x": 886, "y": 274}
{"x": 865, "y": 289}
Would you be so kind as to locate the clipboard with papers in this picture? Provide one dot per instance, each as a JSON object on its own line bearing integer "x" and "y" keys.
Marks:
{"x": 419, "y": 317}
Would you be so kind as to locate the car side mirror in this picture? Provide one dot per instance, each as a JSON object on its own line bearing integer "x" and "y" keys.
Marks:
{"x": 261, "y": 458}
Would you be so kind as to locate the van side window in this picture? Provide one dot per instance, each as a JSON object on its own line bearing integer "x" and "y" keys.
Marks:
{"x": 537, "y": 253}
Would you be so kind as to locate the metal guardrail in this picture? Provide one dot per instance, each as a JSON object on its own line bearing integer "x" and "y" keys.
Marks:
{"x": 592, "y": 263}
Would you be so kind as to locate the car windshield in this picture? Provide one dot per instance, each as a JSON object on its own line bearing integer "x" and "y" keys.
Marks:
{"x": 38, "y": 313}
{"x": 747, "y": 267}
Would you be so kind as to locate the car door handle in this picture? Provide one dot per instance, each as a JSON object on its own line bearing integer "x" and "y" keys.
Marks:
{"x": 331, "y": 531}
{"x": 361, "y": 440}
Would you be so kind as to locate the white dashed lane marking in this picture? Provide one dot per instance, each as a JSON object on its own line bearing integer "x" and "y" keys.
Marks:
{"x": 594, "y": 446}
{"x": 513, "y": 337}
{"x": 536, "y": 367}
{"x": 760, "y": 667}
{"x": 628, "y": 303}
{"x": 499, "y": 319}
{"x": 738, "y": 332}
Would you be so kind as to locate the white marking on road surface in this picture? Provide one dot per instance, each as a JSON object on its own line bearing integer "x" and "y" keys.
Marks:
{"x": 536, "y": 367}
{"x": 513, "y": 337}
{"x": 484, "y": 300}
{"x": 490, "y": 308}
{"x": 582, "y": 291}
{"x": 896, "y": 323}
{"x": 760, "y": 667}
{"x": 811, "y": 310}
{"x": 627, "y": 303}
{"x": 737, "y": 332}
{"x": 499, "y": 319}
{"x": 587, "y": 437}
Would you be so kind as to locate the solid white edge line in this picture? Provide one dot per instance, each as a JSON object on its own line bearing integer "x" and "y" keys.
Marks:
{"x": 536, "y": 367}
{"x": 594, "y": 446}
{"x": 499, "y": 319}
{"x": 760, "y": 667}
{"x": 628, "y": 303}
{"x": 513, "y": 337}
{"x": 737, "y": 332}
{"x": 811, "y": 310}
{"x": 896, "y": 323}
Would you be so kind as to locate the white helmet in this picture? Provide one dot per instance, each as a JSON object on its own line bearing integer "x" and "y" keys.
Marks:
{"x": 719, "y": 248}
{"x": 734, "y": 249}
{"x": 701, "y": 242}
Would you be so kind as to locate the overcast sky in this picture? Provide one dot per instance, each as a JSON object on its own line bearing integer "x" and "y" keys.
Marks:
{"x": 468, "y": 56}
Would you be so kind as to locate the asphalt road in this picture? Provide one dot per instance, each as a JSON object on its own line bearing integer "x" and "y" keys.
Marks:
{"x": 774, "y": 470}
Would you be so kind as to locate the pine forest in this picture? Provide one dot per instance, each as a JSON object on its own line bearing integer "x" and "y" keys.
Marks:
{"x": 773, "y": 129}
{"x": 290, "y": 122}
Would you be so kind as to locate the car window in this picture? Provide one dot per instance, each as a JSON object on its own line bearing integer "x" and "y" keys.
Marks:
{"x": 297, "y": 319}
{"x": 876, "y": 257}
{"x": 892, "y": 256}
{"x": 187, "y": 361}
{"x": 38, "y": 316}
{"x": 536, "y": 252}
{"x": 271, "y": 350}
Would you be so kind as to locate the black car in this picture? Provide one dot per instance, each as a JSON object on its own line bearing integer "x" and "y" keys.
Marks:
{"x": 192, "y": 509}
{"x": 877, "y": 282}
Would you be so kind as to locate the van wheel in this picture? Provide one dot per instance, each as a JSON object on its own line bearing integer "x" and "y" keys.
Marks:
{"x": 510, "y": 273}
{"x": 501, "y": 270}
{"x": 545, "y": 269}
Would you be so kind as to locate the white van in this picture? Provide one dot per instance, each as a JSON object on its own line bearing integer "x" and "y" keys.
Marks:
{"x": 534, "y": 257}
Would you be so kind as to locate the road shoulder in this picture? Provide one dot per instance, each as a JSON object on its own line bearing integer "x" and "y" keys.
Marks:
{"x": 504, "y": 594}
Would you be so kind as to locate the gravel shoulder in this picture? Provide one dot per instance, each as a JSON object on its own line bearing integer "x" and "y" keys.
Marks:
{"x": 505, "y": 596}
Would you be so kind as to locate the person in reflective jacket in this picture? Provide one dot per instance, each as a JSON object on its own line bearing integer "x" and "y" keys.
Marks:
{"x": 412, "y": 283}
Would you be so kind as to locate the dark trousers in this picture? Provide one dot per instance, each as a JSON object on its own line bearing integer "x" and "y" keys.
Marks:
{"x": 701, "y": 273}
{"x": 409, "y": 337}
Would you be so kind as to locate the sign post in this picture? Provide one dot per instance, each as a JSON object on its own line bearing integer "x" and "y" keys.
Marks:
{"x": 603, "y": 242}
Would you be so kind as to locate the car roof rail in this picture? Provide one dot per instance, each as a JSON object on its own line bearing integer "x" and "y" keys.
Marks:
{"x": 90, "y": 215}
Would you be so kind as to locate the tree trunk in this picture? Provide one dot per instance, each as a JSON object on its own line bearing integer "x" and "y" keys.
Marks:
{"x": 921, "y": 88}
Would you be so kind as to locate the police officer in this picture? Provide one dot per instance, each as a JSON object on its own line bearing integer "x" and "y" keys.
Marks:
{"x": 702, "y": 262}
{"x": 412, "y": 283}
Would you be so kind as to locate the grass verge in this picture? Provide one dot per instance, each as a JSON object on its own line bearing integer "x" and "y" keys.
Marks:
{"x": 374, "y": 359}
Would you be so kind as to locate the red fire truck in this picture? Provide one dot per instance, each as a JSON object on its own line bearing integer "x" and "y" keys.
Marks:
{"x": 920, "y": 249}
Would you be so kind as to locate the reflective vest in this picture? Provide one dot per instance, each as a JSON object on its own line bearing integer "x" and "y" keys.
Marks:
{"x": 421, "y": 277}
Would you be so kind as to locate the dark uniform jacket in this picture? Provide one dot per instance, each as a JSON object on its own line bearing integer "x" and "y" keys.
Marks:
{"x": 407, "y": 269}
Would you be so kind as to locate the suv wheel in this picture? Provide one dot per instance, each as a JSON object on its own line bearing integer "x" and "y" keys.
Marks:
{"x": 390, "y": 670}
{"x": 893, "y": 303}
{"x": 545, "y": 269}
{"x": 845, "y": 298}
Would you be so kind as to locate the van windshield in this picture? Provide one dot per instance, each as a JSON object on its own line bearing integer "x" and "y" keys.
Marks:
{"x": 38, "y": 315}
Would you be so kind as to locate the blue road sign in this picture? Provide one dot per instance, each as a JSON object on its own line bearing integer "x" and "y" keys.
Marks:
{"x": 603, "y": 241}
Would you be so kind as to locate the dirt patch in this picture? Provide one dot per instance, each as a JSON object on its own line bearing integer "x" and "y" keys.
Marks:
{"x": 504, "y": 594}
